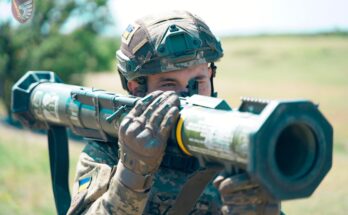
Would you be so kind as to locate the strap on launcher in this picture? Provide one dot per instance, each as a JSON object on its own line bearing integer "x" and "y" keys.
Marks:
{"x": 192, "y": 190}
{"x": 59, "y": 164}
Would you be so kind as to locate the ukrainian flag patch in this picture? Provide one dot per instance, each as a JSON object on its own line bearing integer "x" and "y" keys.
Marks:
{"x": 128, "y": 33}
{"x": 84, "y": 183}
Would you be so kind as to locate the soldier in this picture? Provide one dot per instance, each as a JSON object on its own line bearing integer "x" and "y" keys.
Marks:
{"x": 159, "y": 56}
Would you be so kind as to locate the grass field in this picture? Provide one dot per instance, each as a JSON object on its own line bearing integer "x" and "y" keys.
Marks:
{"x": 25, "y": 183}
{"x": 311, "y": 67}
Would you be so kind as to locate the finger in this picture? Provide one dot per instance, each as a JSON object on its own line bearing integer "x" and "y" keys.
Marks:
{"x": 217, "y": 181}
{"x": 272, "y": 208}
{"x": 244, "y": 197}
{"x": 158, "y": 116}
{"x": 156, "y": 103}
{"x": 143, "y": 103}
{"x": 131, "y": 126}
{"x": 235, "y": 183}
{"x": 126, "y": 121}
{"x": 137, "y": 125}
{"x": 239, "y": 209}
{"x": 169, "y": 119}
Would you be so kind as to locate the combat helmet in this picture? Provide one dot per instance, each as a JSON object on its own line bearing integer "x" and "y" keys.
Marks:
{"x": 166, "y": 42}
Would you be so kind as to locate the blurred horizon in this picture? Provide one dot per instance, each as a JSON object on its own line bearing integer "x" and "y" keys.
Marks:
{"x": 250, "y": 17}
{"x": 229, "y": 17}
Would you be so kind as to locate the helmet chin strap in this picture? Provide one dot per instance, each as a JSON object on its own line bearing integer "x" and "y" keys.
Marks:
{"x": 213, "y": 68}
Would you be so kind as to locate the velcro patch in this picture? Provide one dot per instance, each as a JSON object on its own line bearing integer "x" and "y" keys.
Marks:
{"x": 129, "y": 32}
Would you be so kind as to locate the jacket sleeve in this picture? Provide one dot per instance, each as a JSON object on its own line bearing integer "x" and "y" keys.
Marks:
{"x": 96, "y": 188}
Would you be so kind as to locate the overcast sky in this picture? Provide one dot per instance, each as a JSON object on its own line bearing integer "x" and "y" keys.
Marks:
{"x": 235, "y": 16}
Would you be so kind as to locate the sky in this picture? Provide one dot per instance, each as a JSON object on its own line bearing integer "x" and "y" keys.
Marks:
{"x": 245, "y": 16}
{"x": 235, "y": 17}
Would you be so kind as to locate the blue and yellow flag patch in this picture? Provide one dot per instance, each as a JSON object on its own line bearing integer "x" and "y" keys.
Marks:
{"x": 84, "y": 183}
{"x": 128, "y": 33}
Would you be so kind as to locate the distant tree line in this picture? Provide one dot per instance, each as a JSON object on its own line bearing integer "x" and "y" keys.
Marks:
{"x": 41, "y": 44}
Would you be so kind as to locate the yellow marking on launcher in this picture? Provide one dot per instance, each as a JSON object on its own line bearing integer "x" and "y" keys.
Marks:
{"x": 179, "y": 137}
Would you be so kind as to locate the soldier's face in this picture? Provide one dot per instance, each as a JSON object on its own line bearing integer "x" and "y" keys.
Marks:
{"x": 178, "y": 80}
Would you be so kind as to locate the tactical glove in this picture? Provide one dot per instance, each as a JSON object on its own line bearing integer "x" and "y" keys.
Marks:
{"x": 143, "y": 135}
{"x": 242, "y": 196}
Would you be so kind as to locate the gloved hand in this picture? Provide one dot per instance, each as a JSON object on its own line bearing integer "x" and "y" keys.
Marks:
{"x": 143, "y": 135}
{"x": 242, "y": 196}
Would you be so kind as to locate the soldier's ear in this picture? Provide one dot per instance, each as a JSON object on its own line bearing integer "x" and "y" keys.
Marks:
{"x": 132, "y": 87}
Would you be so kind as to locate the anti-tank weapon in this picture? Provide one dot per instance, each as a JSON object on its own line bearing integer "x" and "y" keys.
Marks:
{"x": 286, "y": 145}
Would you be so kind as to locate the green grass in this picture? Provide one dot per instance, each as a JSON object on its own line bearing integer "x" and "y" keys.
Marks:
{"x": 25, "y": 175}
{"x": 314, "y": 68}
{"x": 332, "y": 195}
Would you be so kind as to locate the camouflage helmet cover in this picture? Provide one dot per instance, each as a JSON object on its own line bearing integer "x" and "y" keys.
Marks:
{"x": 166, "y": 42}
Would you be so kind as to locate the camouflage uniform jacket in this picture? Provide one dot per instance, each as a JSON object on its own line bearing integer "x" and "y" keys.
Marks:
{"x": 97, "y": 191}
